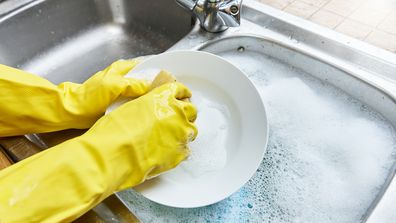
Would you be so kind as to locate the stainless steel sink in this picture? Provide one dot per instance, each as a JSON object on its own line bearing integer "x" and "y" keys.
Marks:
{"x": 70, "y": 40}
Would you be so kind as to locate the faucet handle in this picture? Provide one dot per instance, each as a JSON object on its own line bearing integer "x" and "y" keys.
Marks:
{"x": 230, "y": 12}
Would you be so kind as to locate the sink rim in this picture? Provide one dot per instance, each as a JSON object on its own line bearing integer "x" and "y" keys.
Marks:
{"x": 356, "y": 75}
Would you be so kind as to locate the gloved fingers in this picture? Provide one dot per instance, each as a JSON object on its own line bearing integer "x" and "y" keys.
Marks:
{"x": 193, "y": 132}
{"x": 184, "y": 152}
{"x": 181, "y": 91}
{"x": 121, "y": 67}
{"x": 189, "y": 110}
{"x": 181, "y": 154}
{"x": 162, "y": 78}
{"x": 135, "y": 87}
{"x": 156, "y": 171}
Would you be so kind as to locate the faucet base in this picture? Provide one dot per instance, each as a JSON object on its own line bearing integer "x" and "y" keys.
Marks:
{"x": 215, "y": 15}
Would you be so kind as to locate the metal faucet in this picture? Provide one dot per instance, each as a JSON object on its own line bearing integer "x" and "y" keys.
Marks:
{"x": 214, "y": 15}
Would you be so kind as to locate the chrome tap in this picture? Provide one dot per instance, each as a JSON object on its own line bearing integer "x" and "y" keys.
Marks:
{"x": 214, "y": 15}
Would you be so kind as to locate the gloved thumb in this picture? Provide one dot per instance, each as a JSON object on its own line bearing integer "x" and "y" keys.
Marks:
{"x": 135, "y": 87}
{"x": 121, "y": 67}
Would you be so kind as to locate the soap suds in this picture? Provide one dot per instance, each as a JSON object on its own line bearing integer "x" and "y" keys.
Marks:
{"x": 327, "y": 157}
{"x": 208, "y": 152}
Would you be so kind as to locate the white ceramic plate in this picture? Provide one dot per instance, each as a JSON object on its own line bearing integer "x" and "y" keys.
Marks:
{"x": 232, "y": 125}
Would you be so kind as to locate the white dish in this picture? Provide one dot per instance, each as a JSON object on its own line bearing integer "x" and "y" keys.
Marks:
{"x": 232, "y": 125}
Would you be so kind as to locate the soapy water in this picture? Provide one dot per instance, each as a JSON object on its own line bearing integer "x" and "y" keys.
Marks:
{"x": 327, "y": 157}
{"x": 208, "y": 152}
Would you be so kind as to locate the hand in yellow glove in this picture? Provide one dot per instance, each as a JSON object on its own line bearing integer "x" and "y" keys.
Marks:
{"x": 141, "y": 138}
{"x": 31, "y": 104}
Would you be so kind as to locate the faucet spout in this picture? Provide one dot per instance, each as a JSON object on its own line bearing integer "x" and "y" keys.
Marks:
{"x": 214, "y": 15}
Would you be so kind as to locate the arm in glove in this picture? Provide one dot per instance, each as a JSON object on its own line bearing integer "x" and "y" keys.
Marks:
{"x": 139, "y": 139}
{"x": 31, "y": 104}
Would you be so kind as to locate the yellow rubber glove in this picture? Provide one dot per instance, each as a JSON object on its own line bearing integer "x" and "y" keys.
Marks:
{"x": 141, "y": 138}
{"x": 31, "y": 104}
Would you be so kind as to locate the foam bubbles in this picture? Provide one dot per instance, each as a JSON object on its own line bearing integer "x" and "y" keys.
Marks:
{"x": 208, "y": 151}
{"x": 328, "y": 155}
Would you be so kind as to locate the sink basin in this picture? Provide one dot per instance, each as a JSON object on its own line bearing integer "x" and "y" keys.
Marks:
{"x": 331, "y": 99}
{"x": 71, "y": 40}
{"x": 332, "y": 143}
{"x": 328, "y": 142}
